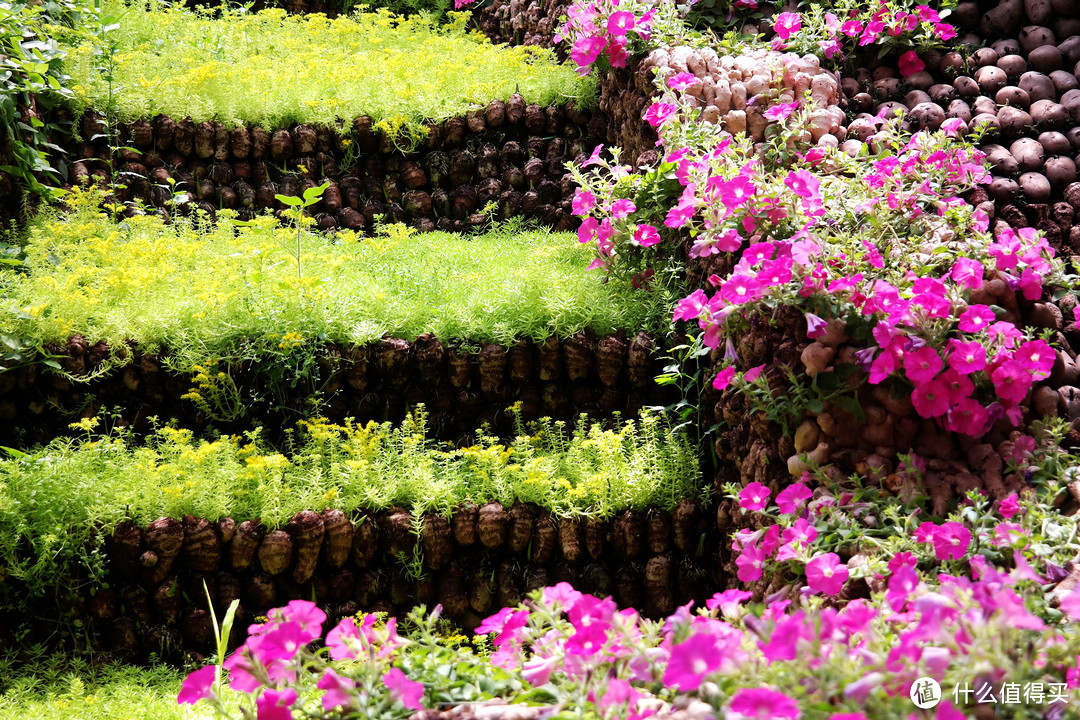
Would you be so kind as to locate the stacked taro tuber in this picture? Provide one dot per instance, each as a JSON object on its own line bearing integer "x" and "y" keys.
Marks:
{"x": 461, "y": 389}
{"x": 510, "y": 153}
{"x": 523, "y": 22}
{"x": 475, "y": 562}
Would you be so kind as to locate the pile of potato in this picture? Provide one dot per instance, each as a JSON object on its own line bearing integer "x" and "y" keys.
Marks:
{"x": 735, "y": 91}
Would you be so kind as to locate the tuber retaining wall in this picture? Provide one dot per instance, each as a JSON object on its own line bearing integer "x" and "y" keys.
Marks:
{"x": 461, "y": 389}
{"x": 512, "y": 154}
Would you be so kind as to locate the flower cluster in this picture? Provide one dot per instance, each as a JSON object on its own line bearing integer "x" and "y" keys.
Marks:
{"x": 888, "y": 25}
{"x": 607, "y": 29}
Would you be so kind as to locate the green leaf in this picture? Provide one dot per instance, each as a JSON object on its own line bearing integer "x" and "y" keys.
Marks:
{"x": 290, "y": 200}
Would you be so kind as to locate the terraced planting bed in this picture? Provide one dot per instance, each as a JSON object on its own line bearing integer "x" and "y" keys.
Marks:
{"x": 716, "y": 360}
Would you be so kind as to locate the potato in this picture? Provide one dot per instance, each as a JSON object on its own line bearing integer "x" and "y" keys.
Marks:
{"x": 1072, "y": 195}
{"x": 1029, "y": 154}
{"x": 1034, "y": 36}
{"x": 916, "y": 97}
{"x": 1064, "y": 81}
{"x": 851, "y": 147}
{"x": 1003, "y": 19}
{"x": 1054, "y": 143}
{"x": 1070, "y": 50}
{"x": 1046, "y": 59}
{"x": 1037, "y": 86}
{"x": 951, "y": 64}
{"x": 1065, "y": 27}
{"x": 1006, "y": 46}
{"x": 1060, "y": 171}
{"x": 882, "y": 72}
{"x": 921, "y": 80}
{"x": 1013, "y": 121}
{"x": 1038, "y": 11}
{"x": 991, "y": 79}
{"x": 984, "y": 104}
{"x": 966, "y": 86}
{"x": 860, "y": 129}
{"x": 942, "y": 93}
{"x": 1036, "y": 187}
{"x": 984, "y": 56}
{"x": 986, "y": 119}
{"x": 888, "y": 88}
{"x": 1004, "y": 190}
{"x": 1012, "y": 95}
{"x": 959, "y": 109}
{"x": 850, "y": 86}
{"x": 1071, "y": 102}
{"x": 1001, "y": 161}
{"x": 862, "y": 102}
{"x": 966, "y": 15}
{"x": 1074, "y": 137}
{"x": 1013, "y": 65}
{"x": 1048, "y": 115}
{"x": 927, "y": 116}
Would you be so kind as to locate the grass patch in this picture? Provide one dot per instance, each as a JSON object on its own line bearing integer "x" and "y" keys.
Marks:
{"x": 271, "y": 69}
{"x": 199, "y": 290}
{"x": 56, "y": 687}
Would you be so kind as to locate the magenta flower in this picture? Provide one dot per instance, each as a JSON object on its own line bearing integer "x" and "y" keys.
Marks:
{"x": 967, "y": 357}
{"x": 781, "y": 111}
{"x": 826, "y": 574}
{"x": 740, "y": 289}
{"x": 281, "y": 643}
{"x": 737, "y": 191}
{"x": 901, "y": 584}
{"x": 584, "y": 201}
{"x": 1038, "y": 356}
{"x": 646, "y": 236}
{"x": 622, "y": 208}
{"x": 815, "y": 326}
{"x": 506, "y": 622}
{"x": 969, "y": 417}
{"x": 197, "y": 686}
{"x": 274, "y": 704}
{"x": 338, "y": 690}
{"x": 976, "y": 318}
{"x": 1009, "y": 506}
{"x": 1011, "y": 381}
{"x": 681, "y": 81}
{"x": 803, "y": 183}
{"x": 968, "y": 273}
{"x": 910, "y": 63}
{"x": 931, "y": 399}
{"x": 658, "y": 113}
{"x": 691, "y": 660}
{"x": 764, "y": 704}
{"x": 338, "y": 639}
{"x": 753, "y": 373}
{"x": 620, "y": 22}
{"x": 728, "y": 601}
{"x": 691, "y": 306}
{"x": 679, "y": 215}
{"x": 787, "y": 24}
{"x": 951, "y": 541}
{"x": 923, "y": 365}
{"x": 587, "y": 230}
{"x": 754, "y": 496}
{"x": 750, "y": 562}
{"x": 402, "y": 688}
{"x": 586, "y": 50}
{"x": 724, "y": 378}
{"x": 944, "y": 31}
{"x": 792, "y": 499}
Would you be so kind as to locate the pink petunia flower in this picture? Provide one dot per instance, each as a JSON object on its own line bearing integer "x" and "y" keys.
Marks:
{"x": 586, "y": 50}
{"x": 966, "y": 357}
{"x": 646, "y": 236}
{"x": 754, "y": 496}
{"x": 338, "y": 690}
{"x": 1011, "y": 380}
{"x": 922, "y": 365}
{"x": 815, "y": 326}
{"x": 780, "y": 112}
{"x": 787, "y": 24}
{"x": 584, "y": 201}
{"x": 763, "y": 704}
{"x": 1009, "y": 506}
{"x": 944, "y": 31}
{"x": 274, "y": 704}
{"x": 198, "y": 685}
{"x": 792, "y": 499}
{"x": 658, "y": 113}
{"x": 728, "y": 601}
{"x": 910, "y": 63}
{"x": 681, "y": 81}
{"x": 976, "y": 318}
{"x": 620, "y": 22}
{"x": 749, "y": 563}
{"x": 826, "y": 574}
{"x": 968, "y": 417}
{"x": 622, "y": 208}
{"x": 691, "y": 660}
{"x": 724, "y": 378}
{"x": 951, "y": 541}
{"x": 931, "y": 399}
{"x": 409, "y": 692}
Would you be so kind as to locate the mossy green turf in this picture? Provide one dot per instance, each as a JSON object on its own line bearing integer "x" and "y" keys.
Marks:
{"x": 198, "y": 291}
{"x": 271, "y": 69}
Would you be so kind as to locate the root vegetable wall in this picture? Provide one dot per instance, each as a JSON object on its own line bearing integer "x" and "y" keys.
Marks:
{"x": 510, "y": 154}
{"x": 461, "y": 389}
{"x": 479, "y": 560}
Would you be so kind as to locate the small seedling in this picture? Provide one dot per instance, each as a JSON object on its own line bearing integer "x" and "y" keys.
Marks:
{"x": 297, "y": 206}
